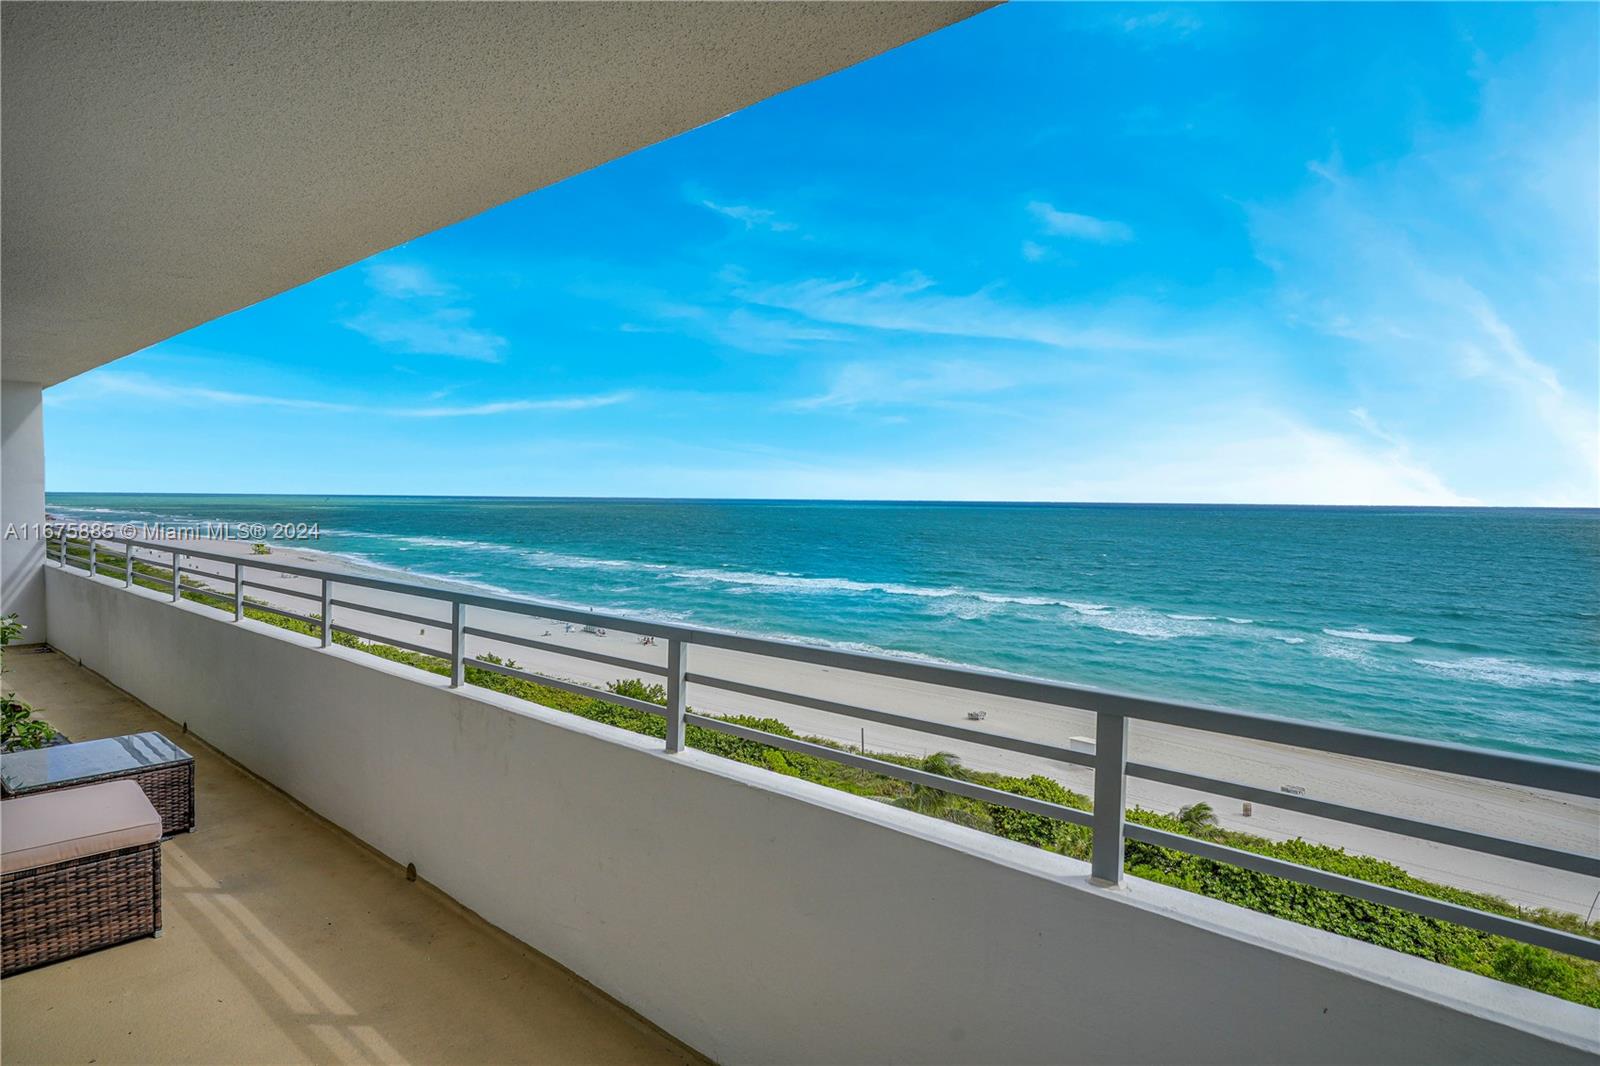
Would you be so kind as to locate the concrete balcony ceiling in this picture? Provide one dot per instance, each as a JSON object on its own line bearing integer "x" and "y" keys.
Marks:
{"x": 164, "y": 164}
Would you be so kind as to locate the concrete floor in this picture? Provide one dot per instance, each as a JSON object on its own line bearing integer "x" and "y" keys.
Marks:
{"x": 286, "y": 942}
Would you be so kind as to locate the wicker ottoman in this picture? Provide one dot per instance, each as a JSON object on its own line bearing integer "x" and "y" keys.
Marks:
{"x": 80, "y": 869}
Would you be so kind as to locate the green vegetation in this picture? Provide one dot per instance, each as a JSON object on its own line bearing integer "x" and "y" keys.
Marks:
{"x": 18, "y": 727}
{"x": 260, "y": 549}
{"x": 1197, "y": 819}
{"x": 1508, "y": 960}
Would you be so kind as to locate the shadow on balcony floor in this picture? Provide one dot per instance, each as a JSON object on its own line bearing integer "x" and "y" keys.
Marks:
{"x": 286, "y": 941}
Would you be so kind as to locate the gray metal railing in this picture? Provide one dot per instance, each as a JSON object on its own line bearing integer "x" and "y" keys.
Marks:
{"x": 1112, "y": 711}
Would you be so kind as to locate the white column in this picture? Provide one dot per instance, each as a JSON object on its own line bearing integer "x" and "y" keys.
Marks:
{"x": 22, "y": 506}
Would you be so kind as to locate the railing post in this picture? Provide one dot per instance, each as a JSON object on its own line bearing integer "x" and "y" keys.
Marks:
{"x": 238, "y": 591}
{"x": 127, "y": 565}
{"x": 62, "y": 558}
{"x": 458, "y": 643}
{"x": 93, "y": 570}
{"x": 327, "y": 612}
{"x": 177, "y": 586}
{"x": 677, "y": 657}
{"x": 1110, "y": 797}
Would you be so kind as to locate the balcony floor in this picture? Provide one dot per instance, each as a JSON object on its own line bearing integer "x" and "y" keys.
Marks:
{"x": 286, "y": 941}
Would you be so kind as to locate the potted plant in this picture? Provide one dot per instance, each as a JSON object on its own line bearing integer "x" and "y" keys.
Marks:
{"x": 18, "y": 727}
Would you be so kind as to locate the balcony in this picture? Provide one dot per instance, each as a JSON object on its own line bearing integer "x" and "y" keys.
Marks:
{"x": 752, "y": 915}
{"x": 288, "y": 941}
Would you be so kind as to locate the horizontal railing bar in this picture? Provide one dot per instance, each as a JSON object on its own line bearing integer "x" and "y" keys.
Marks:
{"x": 388, "y": 612}
{"x": 306, "y": 618}
{"x": 1563, "y": 860}
{"x": 420, "y": 649}
{"x": 312, "y": 596}
{"x": 202, "y": 573}
{"x": 205, "y": 590}
{"x": 1551, "y": 774}
{"x": 562, "y": 649}
{"x": 955, "y": 732}
{"x": 204, "y": 598}
{"x": 982, "y": 793}
{"x": 1574, "y": 862}
{"x": 284, "y": 613}
{"x": 569, "y": 686}
{"x": 1427, "y": 906}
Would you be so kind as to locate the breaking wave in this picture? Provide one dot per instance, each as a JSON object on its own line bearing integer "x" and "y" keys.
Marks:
{"x": 1362, "y": 634}
{"x": 1510, "y": 673}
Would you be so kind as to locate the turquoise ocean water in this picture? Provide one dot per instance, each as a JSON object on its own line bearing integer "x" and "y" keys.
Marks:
{"x": 1474, "y": 626}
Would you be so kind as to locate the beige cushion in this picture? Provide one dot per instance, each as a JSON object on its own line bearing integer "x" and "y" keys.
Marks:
{"x": 69, "y": 823}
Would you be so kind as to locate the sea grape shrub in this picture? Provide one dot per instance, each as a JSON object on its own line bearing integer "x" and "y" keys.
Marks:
{"x": 1025, "y": 827}
{"x": 635, "y": 688}
{"x": 1413, "y": 934}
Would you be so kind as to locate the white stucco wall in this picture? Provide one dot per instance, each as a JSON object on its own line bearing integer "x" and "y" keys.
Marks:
{"x": 22, "y": 505}
{"x": 763, "y": 919}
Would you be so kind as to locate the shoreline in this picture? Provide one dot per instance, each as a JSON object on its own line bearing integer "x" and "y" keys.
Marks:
{"x": 1512, "y": 812}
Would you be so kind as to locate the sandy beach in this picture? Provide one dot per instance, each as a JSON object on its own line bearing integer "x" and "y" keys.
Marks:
{"x": 1508, "y": 811}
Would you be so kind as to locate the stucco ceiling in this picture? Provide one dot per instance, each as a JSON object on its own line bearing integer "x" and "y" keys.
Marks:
{"x": 164, "y": 164}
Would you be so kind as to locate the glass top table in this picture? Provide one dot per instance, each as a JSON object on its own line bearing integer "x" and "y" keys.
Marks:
{"x": 162, "y": 769}
{"x": 43, "y": 768}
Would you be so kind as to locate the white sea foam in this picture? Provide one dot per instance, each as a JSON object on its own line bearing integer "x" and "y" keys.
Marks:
{"x": 1376, "y": 638}
{"x": 948, "y": 601}
{"x": 538, "y": 557}
{"x": 1243, "y": 621}
{"x": 1140, "y": 622}
{"x": 1347, "y": 652}
{"x": 1510, "y": 673}
{"x": 1291, "y": 640}
{"x": 781, "y": 582}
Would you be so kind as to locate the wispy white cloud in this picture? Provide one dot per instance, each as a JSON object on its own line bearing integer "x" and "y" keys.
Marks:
{"x": 560, "y": 403}
{"x": 108, "y": 383}
{"x": 1365, "y": 420}
{"x": 750, "y": 217}
{"x": 111, "y": 384}
{"x": 430, "y": 333}
{"x": 1264, "y": 456}
{"x": 757, "y": 329}
{"x": 913, "y": 304}
{"x": 1470, "y": 319}
{"x": 744, "y": 329}
{"x": 1060, "y": 223}
{"x": 405, "y": 280}
{"x": 862, "y": 384}
{"x": 416, "y": 313}
{"x": 1250, "y": 455}
{"x": 1168, "y": 21}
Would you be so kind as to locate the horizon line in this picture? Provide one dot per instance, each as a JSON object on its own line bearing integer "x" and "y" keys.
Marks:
{"x": 842, "y": 500}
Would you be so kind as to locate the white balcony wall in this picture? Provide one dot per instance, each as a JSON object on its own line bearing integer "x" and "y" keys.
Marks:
{"x": 763, "y": 919}
{"x": 22, "y": 506}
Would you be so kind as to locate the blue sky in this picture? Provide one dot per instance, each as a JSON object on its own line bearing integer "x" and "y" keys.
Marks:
{"x": 1276, "y": 253}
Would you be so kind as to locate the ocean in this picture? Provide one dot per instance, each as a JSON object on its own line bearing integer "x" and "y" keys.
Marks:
{"x": 1474, "y": 626}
